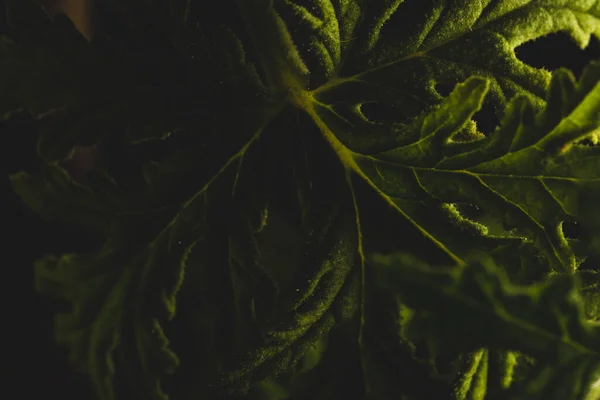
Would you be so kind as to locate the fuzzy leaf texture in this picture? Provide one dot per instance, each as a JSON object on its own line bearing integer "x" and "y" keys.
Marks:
{"x": 248, "y": 177}
{"x": 476, "y": 306}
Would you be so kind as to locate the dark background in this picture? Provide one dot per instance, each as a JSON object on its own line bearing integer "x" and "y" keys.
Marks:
{"x": 35, "y": 365}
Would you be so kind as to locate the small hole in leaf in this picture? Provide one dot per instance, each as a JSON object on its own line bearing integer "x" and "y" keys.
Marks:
{"x": 486, "y": 118}
{"x": 380, "y": 113}
{"x": 444, "y": 89}
{"x": 572, "y": 229}
{"x": 588, "y": 142}
{"x": 471, "y": 211}
{"x": 589, "y": 264}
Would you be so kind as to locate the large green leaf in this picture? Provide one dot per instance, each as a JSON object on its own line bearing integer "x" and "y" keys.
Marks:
{"x": 280, "y": 142}
{"x": 410, "y": 160}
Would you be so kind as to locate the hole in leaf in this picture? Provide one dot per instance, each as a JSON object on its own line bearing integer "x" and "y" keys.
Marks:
{"x": 542, "y": 52}
{"x": 444, "y": 89}
{"x": 471, "y": 211}
{"x": 589, "y": 264}
{"x": 486, "y": 118}
{"x": 380, "y": 113}
{"x": 589, "y": 141}
{"x": 572, "y": 229}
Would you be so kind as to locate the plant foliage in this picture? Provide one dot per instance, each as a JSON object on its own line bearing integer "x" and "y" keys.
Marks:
{"x": 259, "y": 152}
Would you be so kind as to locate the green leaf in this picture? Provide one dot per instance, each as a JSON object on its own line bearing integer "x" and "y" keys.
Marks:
{"x": 414, "y": 159}
{"x": 57, "y": 197}
{"x": 408, "y": 161}
{"x": 465, "y": 308}
{"x": 305, "y": 314}
{"x": 111, "y": 324}
{"x": 473, "y": 383}
{"x": 489, "y": 172}
{"x": 265, "y": 148}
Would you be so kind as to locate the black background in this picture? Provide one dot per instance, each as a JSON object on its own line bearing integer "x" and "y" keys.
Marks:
{"x": 35, "y": 365}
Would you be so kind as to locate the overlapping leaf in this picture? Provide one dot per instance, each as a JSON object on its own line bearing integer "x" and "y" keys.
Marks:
{"x": 475, "y": 306}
